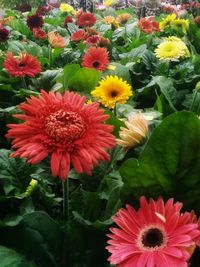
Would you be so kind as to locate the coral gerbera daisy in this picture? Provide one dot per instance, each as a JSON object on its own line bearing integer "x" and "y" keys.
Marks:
{"x": 96, "y": 57}
{"x": 148, "y": 25}
{"x": 4, "y": 34}
{"x": 112, "y": 90}
{"x": 79, "y": 35}
{"x": 172, "y": 48}
{"x": 35, "y": 21}
{"x": 23, "y": 65}
{"x": 56, "y": 40}
{"x": 155, "y": 235}
{"x": 86, "y": 19}
{"x": 65, "y": 128}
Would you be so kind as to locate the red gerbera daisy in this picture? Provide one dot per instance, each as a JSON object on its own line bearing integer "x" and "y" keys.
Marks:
{"x": 39, "y": 34}
{"x": 43, "y": 10}
{"x": 156, "y": 235}
{"x": 78, "y": 36}
{"x": 68, "y": 19}
{"x": 65, "y": 128}
{"x": 23, "y": 65}
{"x": 96, "y": 57}
{"x": 35, "y": 21}
{"x": 92, "y": 40}
{"x": 86, "y": 19}
{"x": 4, "y": 34}
{"x": 148, "y": 25}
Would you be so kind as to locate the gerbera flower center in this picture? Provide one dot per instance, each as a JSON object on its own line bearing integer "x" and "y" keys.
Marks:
{"x": 96, "y": 64}
{"x": 113, "y": 93}
{"x": 153, "y": 238}
{"x": 64, "y": 126}
{"x": 22, "y": 64}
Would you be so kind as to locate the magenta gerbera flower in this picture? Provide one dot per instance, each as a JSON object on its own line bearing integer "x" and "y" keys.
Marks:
{"x": 156, "y": 235}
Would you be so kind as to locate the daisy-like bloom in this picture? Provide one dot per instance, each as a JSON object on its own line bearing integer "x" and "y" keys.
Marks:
{"x": 56, "y": 40}
{"x": 4, "y": 34}
{"x": 172, "y": 49}
{"x": 155, "y": 235}
{"x": 43, "y": 10}
{"x": 180, "y": 24}
{"x": 64, "y": 128}
{"x": 148, "y": 25}
{"x": 5, "y": 21}
{"x": 112, "y": 90}
{"x": 68, "y": 19}
{"x": 104, "y": 42}
{"x": 92, "y": 40}
{"x": 197, "y": 20}
{"x": 109, "y": 3}
{"x": 86, "y": 19}
{"x": 39, "y": 34}
{"x": 67, "y": 8}
{"x": 112, "y": 21}
{"x": 78, "y": 36}
{"x": 123, "y": 18}
{"x": 35, "y": 21}
{"x": 96, "y": 57}
{"x": 23, "y": 65}
{"x": 166, "y": 22}
{"x": 136, "y": 130}
{"x": 91, "y": 31}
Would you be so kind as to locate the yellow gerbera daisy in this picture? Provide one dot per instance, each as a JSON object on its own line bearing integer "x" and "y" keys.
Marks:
{"x": 67, "y": 8}
{"x": 112, "y": 90}
{"x": 181, "y": 24}
{"x": 172, "y": 49}
{"x": 109, "y": 3}
{"x": 167, "y": 21}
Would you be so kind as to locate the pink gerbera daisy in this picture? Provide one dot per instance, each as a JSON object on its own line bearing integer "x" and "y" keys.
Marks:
{"x": 65, "y": 128}
{"x": 157, "y": 235}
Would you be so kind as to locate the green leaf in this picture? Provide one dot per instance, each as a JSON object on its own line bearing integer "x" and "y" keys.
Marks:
{"x": 69, "y": 71}
{"x": 84, "y": 80}
{"x": 38, "y": 236}
{"x": 9, "y": 257}
{"x": 166, "y": 87}
{"x": 113, "y": 120}
{"x": 170, "y": 162}
{"x": 135, "y": 53}
{"x": 14, "y": 173}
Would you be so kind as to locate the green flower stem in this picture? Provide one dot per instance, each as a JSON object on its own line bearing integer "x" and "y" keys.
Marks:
{"x": 24, "y": 85}
{"x": 65, "y": 188}
{"x": 50, "y": 57}
{"x": 193, "y": 100}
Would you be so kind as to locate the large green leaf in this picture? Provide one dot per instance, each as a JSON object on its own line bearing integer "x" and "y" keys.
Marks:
{"x": 170, "y": 163}
{"x": 9, "y": 258}
{"x": 38, "y": 236}
{"x": 85, "y": 79}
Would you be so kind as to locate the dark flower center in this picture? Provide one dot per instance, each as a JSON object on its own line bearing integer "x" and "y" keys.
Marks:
{"x": 96, "y": 64}
{"x": 113, "y": 93}
{"x": 64, "y": 126}
{"x": 22, "y": 64}
{"x": 153, "y": 237}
